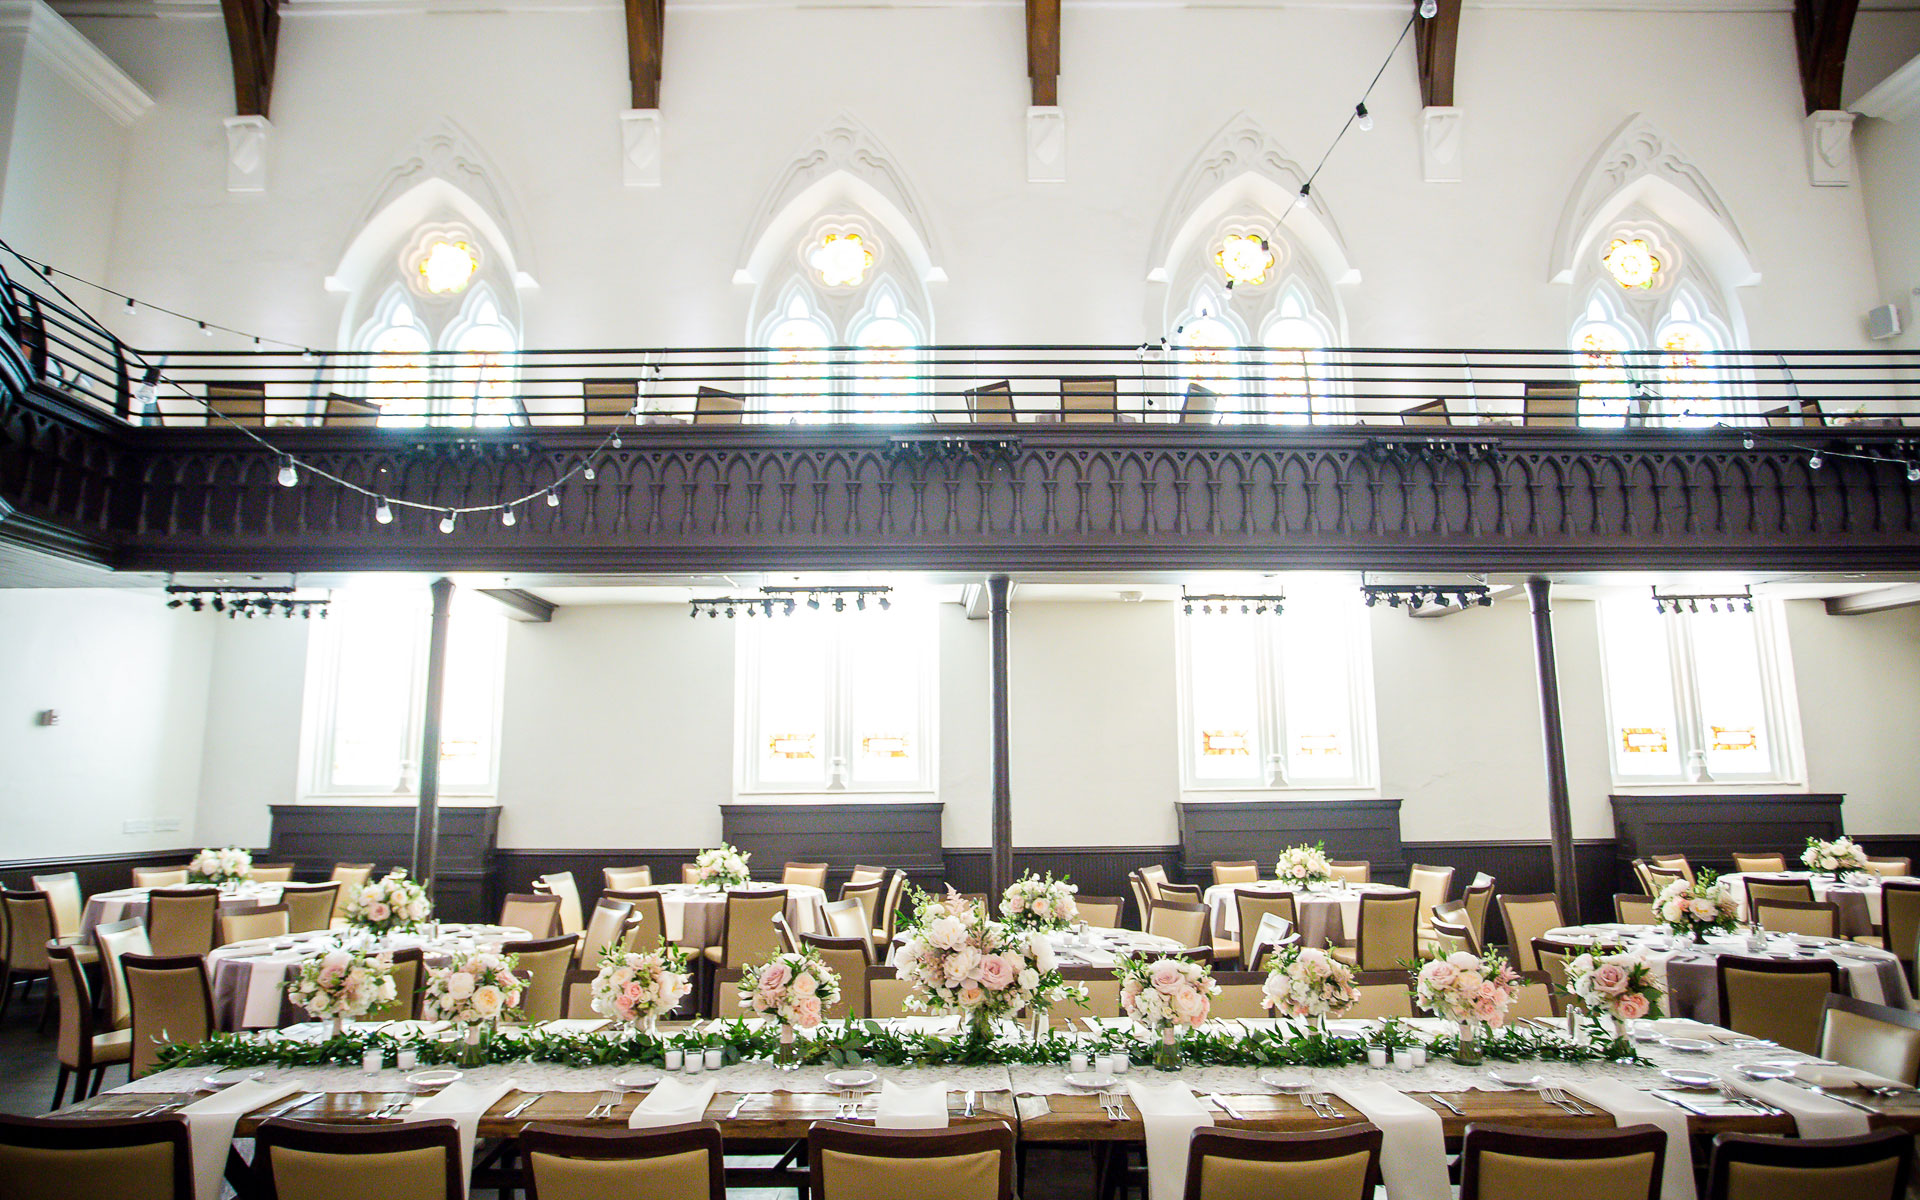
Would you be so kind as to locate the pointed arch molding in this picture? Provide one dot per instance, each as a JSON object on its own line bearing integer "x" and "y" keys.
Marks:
{"x": 1640, "y": 164}
{"x": 444, "y": 170}
{"x": 1242, "y": 164}
{"x": 846, "y": 165}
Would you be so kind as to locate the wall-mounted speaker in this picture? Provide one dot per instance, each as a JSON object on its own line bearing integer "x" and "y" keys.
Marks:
{"x": 1883, "y": 322}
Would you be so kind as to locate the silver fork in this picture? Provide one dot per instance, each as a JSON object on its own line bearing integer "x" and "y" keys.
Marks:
{"x": 1327, "y": 1107}
{"x": 605, "y": 1107}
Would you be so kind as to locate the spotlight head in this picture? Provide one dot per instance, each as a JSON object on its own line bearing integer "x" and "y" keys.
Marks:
{"x": 507, "y": 517}
{"x": 446, "y": 523}
{"x": 713, "y": 613}
{"x": 219, "y": 604}
{"x": 1913, "y": 472}
{"x": 790, "y": 607}
{"x": 1372, "y": 599}
{"x": 813, "y": 601}
{"x": 1207, "y": 609}
{"x": 885, "y": 604}
{"x": 860, "y": 602}
{"x": 1188, "y": 608}
{"x": 1414, "y": 602}
{"x": 1243, "y": 610}
{"x": 693, "y": 611}
{"x": 176, "y": 602}
{"x": 131, "y": 306}
{"x": 553, "y": 499}
{"x": 729, "y": 612}
{"x": 1362, "y": 117}
{"x": 839, "y": 604}
{"x": 382, "y": 512}
{"x": 196, "y": 604}
{"x": 289, "y": 474}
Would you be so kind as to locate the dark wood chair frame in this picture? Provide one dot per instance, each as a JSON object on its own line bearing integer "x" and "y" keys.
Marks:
{"x": 901, "y": 1144}
{"x": 1567, "y": 1144}
{"x": 568, "y": 1141}
{"x": 56, "y": 1133}
{"x": 1809, "y": 1154}
{"x": 1503, "y": 900}
{"x": 1620, "y": 899}
{"x": 1890, "y": 887}
{"x": 176, "y": 962}
{"x": 348, "y": 1140}
{"x": 1249, "y": 863}
{"x": 1248, "y": 1145}
{"x": 547, "y": 899}
{"x": 10, "y": 974}
{"x": 1775, "y": 881}
{"x": 1828, "y": 906}
{"x": 83, "y": 1086}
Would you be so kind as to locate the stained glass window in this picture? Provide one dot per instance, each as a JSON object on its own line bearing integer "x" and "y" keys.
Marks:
{"x": 885, "y": 364}
{"x": 841, "y": 259}
{"x": 481, "y": 376}
{"x": 1601, "y": 368}
{"x": 1631, "y": 262}
{"x": 446, "y": 267}
{"x": 1244, "y": 259}
{"x": 1297, "y": 375}
{"x": 1692, "y": 383}
{"x": 1205, "y": 356}
{"x": 799, "y": 366}
{"x": 398, "y": 375}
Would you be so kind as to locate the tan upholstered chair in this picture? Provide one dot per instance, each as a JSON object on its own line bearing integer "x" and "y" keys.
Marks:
{"x": 1184, "y": 923}
{"x": 537, "y": 913}
{"x": 408, "y": 969}
{"x": 992, "y": 402}
{"x": 607, "y": 927}
{"x": 1236, "y": 872}
{"x": 806, "y": 874}
{"x": 1813, "y": 918}
{"x": 153, "y": 877}
{"x": 726, "y": 990}
{"x": 1758, "y": 864}
{"x": 675, "y": 1162}
{"x": 1552, "y": 956}
{"x": 294, "y": 1160}
{"x": 116, "y": 939}
{"x": 887, "y": 921}
{"x": 1659, "y": 878}
{"x": 1673, "y": 862}
{"x": 1250, "y": 905}
{"x": 688, "y": 872}
{"x": 1899, "y": 922}
{"x": 647, "y": 924}
{"x": 572, "y": 916}
{"x": 1153, "y": 876}
{"x": 847, "y": 959}
{"x": 750, "y": 935}
{"x": 1477, "y": 898}
{"x": 1324, "y": 1164}
{"x": 1200, "y": 406}
{"x": 1759, "y": 888}
{"x": 1240, "y": 995}
{"x": 351, "y": 877}
{"x": 1101, "y": 912}
{"x": 1630, "y": 909}
{"x": 609, "y": 401}
{"x": 862, "y": 873}
{"x": 310, "y": 906}
{"x": 1433, "y": 884}
{"x": 853, "y": 1162}
{"x": 544, "y": 964}
{"x": 627, "y": 879}
{"x": 63, "y": 895}
{"x": 1451, "y": 932}
{"x": 871, "y": 893}
{"x": 1781, "y": 1000}
{"x": 1389, "y": 931}
{"x": 170, "y": 1003}
{"x": 29, "y": 929}
{"x": 711, "y": 406}
{"x": 846, "y": 918}
{"x": 1526, "y": 918}
{"x": 1644, "y": 876}
{"x": 1872, "y": 1037}
{"x": 130, "y": 1158}
{"x": 1871, "y": 1166}
{"x": 1180, "y": 893}
{"x": 1383, "y": 994}
{"x": 1532, "y": 997}
{"x": 1504, "y": 1163}
{"x": 1089, "y": 399}
{"x": 887, "y": 993}
{"x": 1142, "y": 896}
{"x": 269, "y": 921}
{"x": 1890, "y": 867}
{"x": 82, "y": 1052}
{"x": 270, "y": 872}
{"x": 1103, "y": 993}
{"x": 1352, "y": 870}
{"x": 182, "y": 920}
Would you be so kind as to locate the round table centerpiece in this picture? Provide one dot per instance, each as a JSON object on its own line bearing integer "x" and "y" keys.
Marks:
{"x": 721, "y": 867}
{"x": 388, "y": 905}
{"x": 224, "y": 866}
{"x": 1689, "y": 910}
{"x": 1304, "y": 866}
{"x": 1039, "y": 902}
{"x": 1841, "y": 856}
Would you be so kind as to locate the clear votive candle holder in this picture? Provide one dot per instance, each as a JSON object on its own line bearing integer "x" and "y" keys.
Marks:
{"x": 372, "y": 1060}
{"x": 406, "y": 1060}
{"x": 696, "y": 1063}
{"x": 674, "y": 1059}
{"x": 1418, "y": 1054}
{"x": 1077, "y": 1063}
{"x": 1376, "y": 1056}
{"x": 1107, "y": 1064}
{"x": 714, "y": 1057}
{"x": 1120, "y": 1064}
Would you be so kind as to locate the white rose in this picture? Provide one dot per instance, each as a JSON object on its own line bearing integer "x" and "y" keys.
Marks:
{"x": 1043, "y": 957}
{"x": 459, "y": 985}
{"x": 487, "y": 1001}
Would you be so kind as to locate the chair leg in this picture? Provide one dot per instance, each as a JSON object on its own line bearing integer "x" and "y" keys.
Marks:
{"x": 60, "y": 1087}
{"x": 48, "y": 1004}
{"x": 99, "y": 1081}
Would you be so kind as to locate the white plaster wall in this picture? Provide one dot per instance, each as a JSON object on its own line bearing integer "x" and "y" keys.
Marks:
{"x": 1888, "y": 153}
{"x": 251, "y": 757}
{"x": 128, "y": 678}
{"x": 1859, "y": 684}
{"x": 62, "y": 173}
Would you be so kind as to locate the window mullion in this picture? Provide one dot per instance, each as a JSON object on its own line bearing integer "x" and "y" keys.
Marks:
{"x": 1269, "y": 649}
{"x": 839, "y": 712}
{"x": 1689, "y": 730}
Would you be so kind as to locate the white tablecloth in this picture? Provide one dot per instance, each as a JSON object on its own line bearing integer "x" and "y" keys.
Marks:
{"x": 697, "y": 916}
{"x": 1859, "y": 903}
{"x": 104, "y": 908}
{"x": 1325, "y": 917}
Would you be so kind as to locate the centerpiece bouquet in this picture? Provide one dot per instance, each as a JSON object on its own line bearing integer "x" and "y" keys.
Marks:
{"x": 475, "y": 990}
{"x": 342, "y": 984}
{"x": 221, "y": 866}
{"x": 389, "y": 905}
{"x": 1621, "y": 986}
{"x": 1472, "y": 990}
{"x": 1304, "y": 866}
{"x": 958, "y": 961}
{"x": 1164, "y": 994}
{"x": 793, "y": 990}
{"x": 1039, "y": 902}
{"x": 1691, "y": 909}
{"x": 635, "y": 989}
{"x": 1309, "y": 983}
{"x": 722, "y": 867}
{"x": 1841, "y": 856}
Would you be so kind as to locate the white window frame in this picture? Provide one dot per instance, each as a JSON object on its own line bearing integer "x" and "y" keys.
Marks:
{"x": 839, "y": 714}
{"x": 321, "y": 705}
{"x": 1270, "y": 728}
{"x": 1779, "y": 704}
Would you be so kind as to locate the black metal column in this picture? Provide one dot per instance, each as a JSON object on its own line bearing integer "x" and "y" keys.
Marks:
{"x": 1566, "y": 882}
{"x": 998, "y": 587}
{"x": 426, "y": 824}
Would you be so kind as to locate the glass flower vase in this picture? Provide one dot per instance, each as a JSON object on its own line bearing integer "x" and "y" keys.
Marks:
{"x": 979, "y": 1027}
{"x": 787, "y": 1056}
{"x": 1466, "y": 1050}
{"x": 1166, "y": 1054}
{"x": 1620, "y": 1045}
{"x": 474, "y": 1051}
{"x": 339, "y": 1027}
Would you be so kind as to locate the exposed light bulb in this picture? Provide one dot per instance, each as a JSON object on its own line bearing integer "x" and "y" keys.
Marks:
{"x": 1913, "y": 472}
{"x": 553, "y": 499}
{"x": 1746, "y": 443}
{"x": 1815, "y": 461}
{"x": 507, "y": 517}
{"x": 289, "y": 474}
{"x": 131, "y": 306}
{"x": 616, "y": 441}
{"x": 587, "y": 474}
{"x": 446, "y": 523}
{"x": 383, "y": 512}
{"x": 1362, "y": 117}
{"x": 1429, "y": 9}
{"x": 206, "y": 329}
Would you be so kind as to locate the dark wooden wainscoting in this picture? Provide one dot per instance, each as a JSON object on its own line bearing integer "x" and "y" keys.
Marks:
{"x": 905, "y": 835}
{"x": 315, "y": 836}
{"x": 1234, "y": 830}
{"x": 1708, "y": 829}
{"x": 97, "y": 872}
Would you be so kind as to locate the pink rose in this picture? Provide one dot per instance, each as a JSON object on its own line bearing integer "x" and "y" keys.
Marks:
{"x": 1485, "y": 1007}
{"x": 971, "y": 996}
{"x": 1610, "y": 979}
{"x": 1191, "y": 1005}
{"x": 806, "y": 1012}
{"x": 804, "y": 984}
{"x": 1632, "y": 1007}
{"x": 378, "y": 911}
{"x": 776, "y": 976}
{"x": 1438, "y": 974}
{"x": 998, "y": 972}
{"x": 1166, "y": 975}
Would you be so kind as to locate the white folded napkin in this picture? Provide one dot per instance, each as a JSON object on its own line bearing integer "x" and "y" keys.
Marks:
{"x": 1832, "y": 1075}
{"x": 1813, "y": 1116}
{"x": 1170, "y": 1115}
{"x": 673, "y": 1102}
{"x": 1413, "y": 1149}
{"x": 210, "y": 1125}
{"x": 904, "y": 1107}
{"x": 1630, "y": 1106}
{"x": 464, "y": 1104}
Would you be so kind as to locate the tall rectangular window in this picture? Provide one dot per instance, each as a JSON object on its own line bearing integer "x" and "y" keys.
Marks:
{"x": 1278, "y": 700}
{"x": 366, "y": 696}
{"x": 838, "y": 700}
{"x": 1697, "y": 697}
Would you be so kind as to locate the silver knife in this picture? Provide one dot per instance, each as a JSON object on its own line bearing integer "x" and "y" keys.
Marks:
{"x": 1820, "y": 1091}
{"x": 738, "y": 1105}
{"x": 1226, "y": 1108}
{"x": 521, "y": 1107}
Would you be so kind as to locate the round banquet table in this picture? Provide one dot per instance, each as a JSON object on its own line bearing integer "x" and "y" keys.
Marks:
{"x": 104, "y": 908}
{"x": 696, "y": 915}
{"x": 1859, "y": 903}
{"x": 1323, "y": 915}
{"x": 1100, "y": 947}
{"x": 1687, "y": 975}
{"x": 250, "y": 978}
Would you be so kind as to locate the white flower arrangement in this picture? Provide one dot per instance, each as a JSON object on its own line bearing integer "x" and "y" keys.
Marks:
{"x": 388, "y": 905}
{"x": 793, "y": 989}
{"x": 1302, "y": 865}
{"x": 1162, "y": 993}
{"x": 1705, "y": 905}
{"x": 958, "y": 961}
{"x": 343, "y": 984}
{"x": 473, "y": 989}
{"x": 634, "y": 989}
{"x": 225, "y": 865}
{"x": 1039, "y": 902}
{"x": 722, "y": 867}
{"x": 1620, "y": 985}
{"x": 1838, "y": 857}
{"x": 1308, "y": 982}
{"x": 1467, "y": 988}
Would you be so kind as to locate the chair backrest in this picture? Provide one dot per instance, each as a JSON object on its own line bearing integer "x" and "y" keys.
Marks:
{"x": 783, "y": 930}
{"x": 117, "y": 938}
{"x": 1477, "y": 897}
{"x": 1813, "y": 918}
{"x": 1870, "y": 1166}
{"x": 1659, "y": 877}
{"x": 1872, "y": 1037}
{"x": 1673, "y": 862}
{"x": 750, "y": 936}
{"x": 1433, "y": 412}
{"x": 270, "y": 872}
{"x": 1550, "y": 403}
{"x": 627, "y": 879}
{"x": 887, "y": 993}
{"x": 806, "y": 874}
{"x": 689, "y": 873}
{"x": 603, "y": 929}
{"x": 1505, "y": 1163}
{"x": 1184, "y": 923}
{"x": 1180, "y": 893}
{"x": 1103, "y": 993}
{"x": 63, "y": 893}
{"x": 269, "y": 921}
{"x": 1089, "y": 398}
{"x": 169, "y": 1001}
{"x": 1629, "y": 909}
{"x": 994, "y": 402}
{"x": 1526, "y": 918}
{"x": 29, "y": 929}
{"x": 847, "y": 958}
{"x": 153, "y": 877}
{"x": 1142, "y": 896}
{"x": 647, "y": 923}
{"x": 239, "y": 401}
{"x": 295, "y": 1160}
{"x": 1101, "y": 912}
{"x": 56, "y": 1158}
{"x": 75, "y": 1047}
{"x": 537, "y": 913}
{"x": 1433, "y": 884}
{"x": 1389, "y": 930}
{"x": 348, "y": 410}
{"x": 852, "y": 1162}
{"x": 1552, "y": 956}
{"x": 1241, "y": 995}
{"x": 674, "y": 1162}
{"x": 1784, "y": 1001}
{"x": 1641, "y": 873}
{"x": 1382, "y": 994}
{"x": 572, "y": 918}
{"x": 887, "y": 921}
{"x": 1200, "y": 406}
{"x": 868, "y": 893}
{"x": 862, "y": 873}
{"x": 1451, "y": 932}
{"x": 543, "y": 963}
{"x": 408, "y": 967}
{"x": 1352, "y": 870}
{"x": 1251, "y": 906}
{"x": 1900, "y": 920}
{"x": 310, "y": 906}
{"x": 1758, "y": 864}
{"x": 1273, "y": 932}
{"x": 711, "y": 406}
{"x": 1236, "y": 872}
{"x": 1761, "y": 888}
{"x": 1324, "y": 1164}
{"x": 1886, "y": 867}
{"x": 182, "y": 920}
{"x": 848, "y": 918}
{"x": 1532, "y": 997}
{"x": 608, "y": 401}
{"x": 1153, "y": 876}
{"x": 351, "y": 877}
{"x": 726, "y": 993}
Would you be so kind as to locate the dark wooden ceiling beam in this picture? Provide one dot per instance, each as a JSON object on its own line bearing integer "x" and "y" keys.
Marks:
{"x": 253, "y": 33}
{"x": 646, "y": 35}
{"x": 1043, "y": 51}
{"x": 1434, "y": 41}
{"x": 1821, "y": 30}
